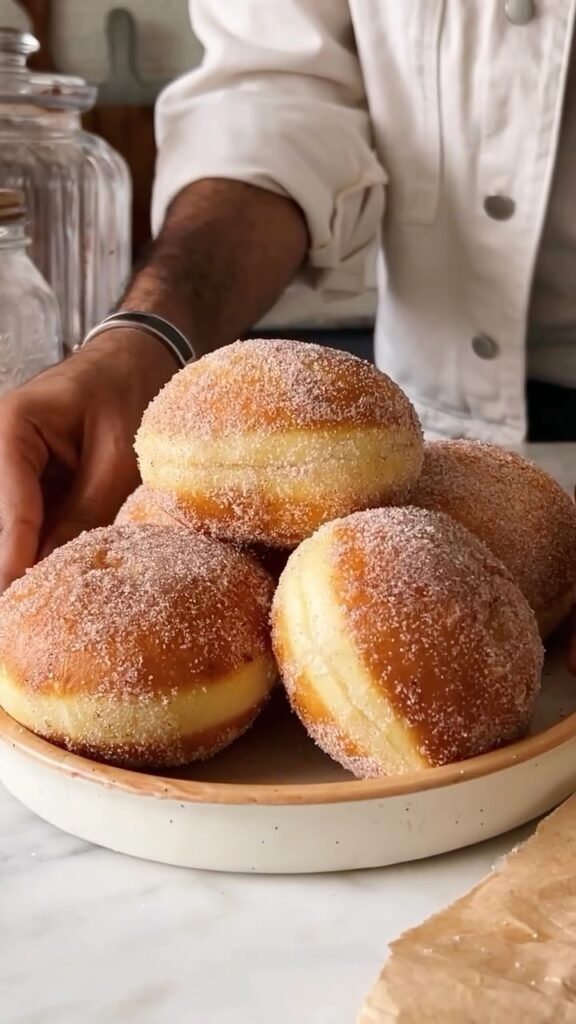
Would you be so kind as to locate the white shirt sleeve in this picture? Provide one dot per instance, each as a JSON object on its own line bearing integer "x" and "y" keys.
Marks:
{"x": 279, "y": 102}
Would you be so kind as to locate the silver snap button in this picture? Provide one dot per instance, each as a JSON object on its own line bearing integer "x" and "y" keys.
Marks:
{"x": 484, "y": 346}
{"x": 520, "y": 12}
{"x": 499, "y": 207}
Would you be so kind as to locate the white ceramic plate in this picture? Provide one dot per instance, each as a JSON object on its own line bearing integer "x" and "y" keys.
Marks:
{"x": 274, "y": 803}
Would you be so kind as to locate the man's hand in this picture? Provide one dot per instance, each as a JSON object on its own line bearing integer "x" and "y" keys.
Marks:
{"x": 66, "y": 456}
{"x": 225, "y": 254}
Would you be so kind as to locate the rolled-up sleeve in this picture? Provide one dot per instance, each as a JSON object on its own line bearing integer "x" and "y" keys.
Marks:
{"x": 279, "y": 102}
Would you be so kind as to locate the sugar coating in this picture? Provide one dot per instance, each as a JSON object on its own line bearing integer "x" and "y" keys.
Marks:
{"x": 348, "y": 439}
{"x": 447, "y": 639}
{"x": 141, "y": 507}
{"x": 178, "y": 590}
{"x": 441, "y": 625}
{"x": 516, "y": 508}
{"x": 256, "y": 512}
{"x": 274, "y": 385}
{"x": 130, "y": 615}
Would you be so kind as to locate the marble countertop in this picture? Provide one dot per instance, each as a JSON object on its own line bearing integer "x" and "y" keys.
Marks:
{"x": 92, "y": 937}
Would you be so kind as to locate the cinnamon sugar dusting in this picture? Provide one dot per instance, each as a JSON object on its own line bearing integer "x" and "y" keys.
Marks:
{"x": 516, "y": 508}
{"x": 277, "y": 507}
{"x": 301, "y": 434}
{"x": 135, "y": 616}
{"x": 264, "y": 386}
{"x": 448, "y": 638}
{"x": 129, "y": 596}
{"x": 142, "y": 507}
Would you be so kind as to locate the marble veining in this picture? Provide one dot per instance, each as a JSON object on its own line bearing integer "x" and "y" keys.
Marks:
{"x": 92, "y": 937}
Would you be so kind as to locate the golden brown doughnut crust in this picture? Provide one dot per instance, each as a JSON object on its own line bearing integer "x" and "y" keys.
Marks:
{"x": 524, "y": 517}
{"x": 263, "y": 440}
{"x": 263, "y": 386}
{"x": 403, "y": 642}
{"x": 142, "y": 507}
{"x": 138, "y": 624}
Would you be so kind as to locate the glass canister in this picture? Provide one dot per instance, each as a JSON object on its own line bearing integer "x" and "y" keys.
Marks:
{"x": 77, "y": 188}
{"x": 29, "y": 317}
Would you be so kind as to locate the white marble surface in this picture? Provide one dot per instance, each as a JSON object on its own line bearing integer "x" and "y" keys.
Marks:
{"x": 91, "y": 937}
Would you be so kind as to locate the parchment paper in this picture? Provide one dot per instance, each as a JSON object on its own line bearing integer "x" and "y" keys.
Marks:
{"x": 503, "y": 954}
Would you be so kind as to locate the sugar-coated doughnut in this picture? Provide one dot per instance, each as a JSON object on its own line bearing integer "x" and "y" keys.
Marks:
{"x": 263, "y": 441}
{"x": 138, "y": 645}
{"x": 141, "y": 507}
{"x": 404, "y": 643}
{"x": 525, "y": 518}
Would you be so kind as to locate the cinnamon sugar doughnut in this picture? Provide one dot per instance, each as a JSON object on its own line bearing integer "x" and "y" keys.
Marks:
{"x": 263, "y": 441}
{"x": 404, "y": 643}
{"x": 524, "y": 517}
{"x": 141, "y": 507}
{"x": 139, "y": 645}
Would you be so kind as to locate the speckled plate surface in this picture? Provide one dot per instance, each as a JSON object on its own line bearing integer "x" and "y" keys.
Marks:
{"x": 273, "y": 803}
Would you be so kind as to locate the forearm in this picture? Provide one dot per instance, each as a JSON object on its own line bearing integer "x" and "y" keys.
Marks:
{"x": 225, "y": 254}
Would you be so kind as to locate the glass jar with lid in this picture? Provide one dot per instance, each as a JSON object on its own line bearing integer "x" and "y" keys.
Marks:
{"x": 77, "y": 188}
{"x": 29, "y": 317}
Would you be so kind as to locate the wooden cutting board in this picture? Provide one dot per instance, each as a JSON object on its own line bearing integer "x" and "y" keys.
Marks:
{"x": 124, "y": 114}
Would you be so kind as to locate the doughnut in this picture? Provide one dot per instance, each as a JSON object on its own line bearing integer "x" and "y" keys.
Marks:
{"x": 263, "y": 441}
{"x": 143, "y": 646}
{"x": 524, "y": 517}
{"x": 403, "y": 643}
{"x": 141, "y": 507}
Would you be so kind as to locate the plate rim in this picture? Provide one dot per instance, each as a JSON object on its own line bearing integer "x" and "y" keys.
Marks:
{"x": 282, "y": 794}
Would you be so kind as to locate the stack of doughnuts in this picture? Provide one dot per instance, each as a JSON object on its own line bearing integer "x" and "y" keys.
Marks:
{"x": 415, "y": 581}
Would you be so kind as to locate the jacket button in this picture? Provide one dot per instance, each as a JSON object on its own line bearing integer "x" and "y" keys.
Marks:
{"x": 520, "y": 12}
{"x": 499, "y": 207}
{"x": 484, "y": 346}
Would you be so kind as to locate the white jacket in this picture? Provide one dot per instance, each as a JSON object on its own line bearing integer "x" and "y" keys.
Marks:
{"x": 404, "y": 115}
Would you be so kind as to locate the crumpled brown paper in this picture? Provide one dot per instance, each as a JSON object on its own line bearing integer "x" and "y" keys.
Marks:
{"x": 503, "y": 954}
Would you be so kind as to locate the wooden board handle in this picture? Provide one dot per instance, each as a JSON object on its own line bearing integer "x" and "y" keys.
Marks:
{"x": 40, "y": 14}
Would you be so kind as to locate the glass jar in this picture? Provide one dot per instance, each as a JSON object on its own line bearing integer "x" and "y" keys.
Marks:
{"x": 29, "y": 317}
{"x": 77, "y": 188}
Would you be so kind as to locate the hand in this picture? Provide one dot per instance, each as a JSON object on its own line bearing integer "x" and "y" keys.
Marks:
{"x": 66, "y": 456}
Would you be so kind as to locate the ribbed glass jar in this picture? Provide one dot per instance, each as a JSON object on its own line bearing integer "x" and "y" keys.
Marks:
{"x": 77, "y": 188}
{"x": 30, "y": 338}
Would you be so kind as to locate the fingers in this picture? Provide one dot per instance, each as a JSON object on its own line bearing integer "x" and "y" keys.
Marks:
{"x": 106, "y": 475}
{"x": 22, "y": 461}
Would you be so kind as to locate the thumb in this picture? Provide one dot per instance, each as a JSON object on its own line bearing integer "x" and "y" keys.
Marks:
{"x": 21, "y": 511}
{"x": 23, "y": 456}
{"x": 107, "y": 474}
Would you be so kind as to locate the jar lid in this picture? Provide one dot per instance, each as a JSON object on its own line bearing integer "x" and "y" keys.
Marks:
{"x": 19, "y": 84}
{"x": 12, "y": 204}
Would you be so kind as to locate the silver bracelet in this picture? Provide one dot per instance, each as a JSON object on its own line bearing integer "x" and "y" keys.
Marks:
{"x": 170, "y": 336}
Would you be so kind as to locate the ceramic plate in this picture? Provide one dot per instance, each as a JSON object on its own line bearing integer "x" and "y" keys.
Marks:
{"x": 273, "y": 803}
